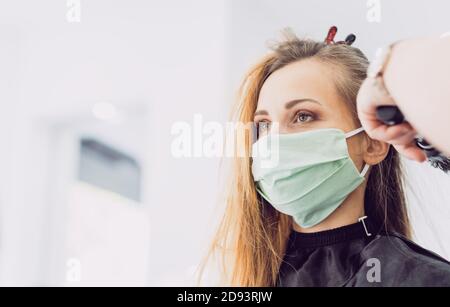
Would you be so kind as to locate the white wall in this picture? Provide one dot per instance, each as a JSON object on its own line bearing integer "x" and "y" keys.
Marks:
{"x": 166, "y": 58}
{"x": 160, "y": 62}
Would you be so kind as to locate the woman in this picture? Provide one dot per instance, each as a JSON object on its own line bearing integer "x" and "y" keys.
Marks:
{"x": 331, "y": 211}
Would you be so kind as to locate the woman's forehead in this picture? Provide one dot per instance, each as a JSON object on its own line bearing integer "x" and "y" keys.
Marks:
{"x": 303, "y": 79}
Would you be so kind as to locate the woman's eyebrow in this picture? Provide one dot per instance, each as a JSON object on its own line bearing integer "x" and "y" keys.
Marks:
{"x": 261, "y": 112}
{"x": 288, "y": 105}
{"x": 292, "y": 103}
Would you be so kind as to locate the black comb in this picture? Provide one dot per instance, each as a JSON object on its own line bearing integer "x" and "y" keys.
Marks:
{"x": 391, "y": 116}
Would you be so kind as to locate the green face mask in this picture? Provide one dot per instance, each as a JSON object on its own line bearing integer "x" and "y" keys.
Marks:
{"x": 311, "y": 175}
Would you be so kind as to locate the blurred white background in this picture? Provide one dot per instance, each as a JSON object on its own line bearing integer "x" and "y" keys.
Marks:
{"x": 89, "y": 191}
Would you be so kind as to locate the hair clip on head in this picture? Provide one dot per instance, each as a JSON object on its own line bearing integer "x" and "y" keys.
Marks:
{"x": 331, "y": 34}
{"x": 329, "y": 40}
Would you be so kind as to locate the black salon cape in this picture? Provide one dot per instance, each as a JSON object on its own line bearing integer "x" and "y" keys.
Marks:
{"x": 349, "y": 257}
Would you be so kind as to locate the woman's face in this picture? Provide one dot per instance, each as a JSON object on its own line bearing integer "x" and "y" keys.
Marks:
{"x": 302, "y": 97}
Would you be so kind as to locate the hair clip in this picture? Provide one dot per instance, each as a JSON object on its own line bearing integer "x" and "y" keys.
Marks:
{"x": 349, "y": 40}
{"x": 330, "y": 36}
{"x": 329, "y": 40}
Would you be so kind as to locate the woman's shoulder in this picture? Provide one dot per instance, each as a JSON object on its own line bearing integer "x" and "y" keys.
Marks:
{"x": 402, "y": 262}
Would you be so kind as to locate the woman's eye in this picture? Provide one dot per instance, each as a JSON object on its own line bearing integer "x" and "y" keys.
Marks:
{"x": 303, "y": 117}
{"x": 263, "y": 127}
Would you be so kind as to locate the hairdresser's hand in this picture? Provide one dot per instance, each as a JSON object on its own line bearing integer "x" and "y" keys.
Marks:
{"x": 401, "y": 136}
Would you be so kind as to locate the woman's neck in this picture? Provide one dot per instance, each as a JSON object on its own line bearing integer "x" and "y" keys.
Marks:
{"x": 347, "y": 213}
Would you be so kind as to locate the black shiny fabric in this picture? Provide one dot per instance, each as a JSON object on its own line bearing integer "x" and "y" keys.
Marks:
{"x": 348, "y": 257}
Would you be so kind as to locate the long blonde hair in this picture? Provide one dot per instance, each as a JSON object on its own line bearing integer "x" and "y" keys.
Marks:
{"x": 252, "y": 236}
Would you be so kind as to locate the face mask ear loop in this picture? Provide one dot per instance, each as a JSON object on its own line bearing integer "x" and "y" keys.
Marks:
{"x": 354, "y": 132}
{"x": 365, "y": 169}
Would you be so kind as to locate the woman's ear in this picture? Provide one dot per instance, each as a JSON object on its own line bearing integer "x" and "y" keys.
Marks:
{"x": 376, "y": 151}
